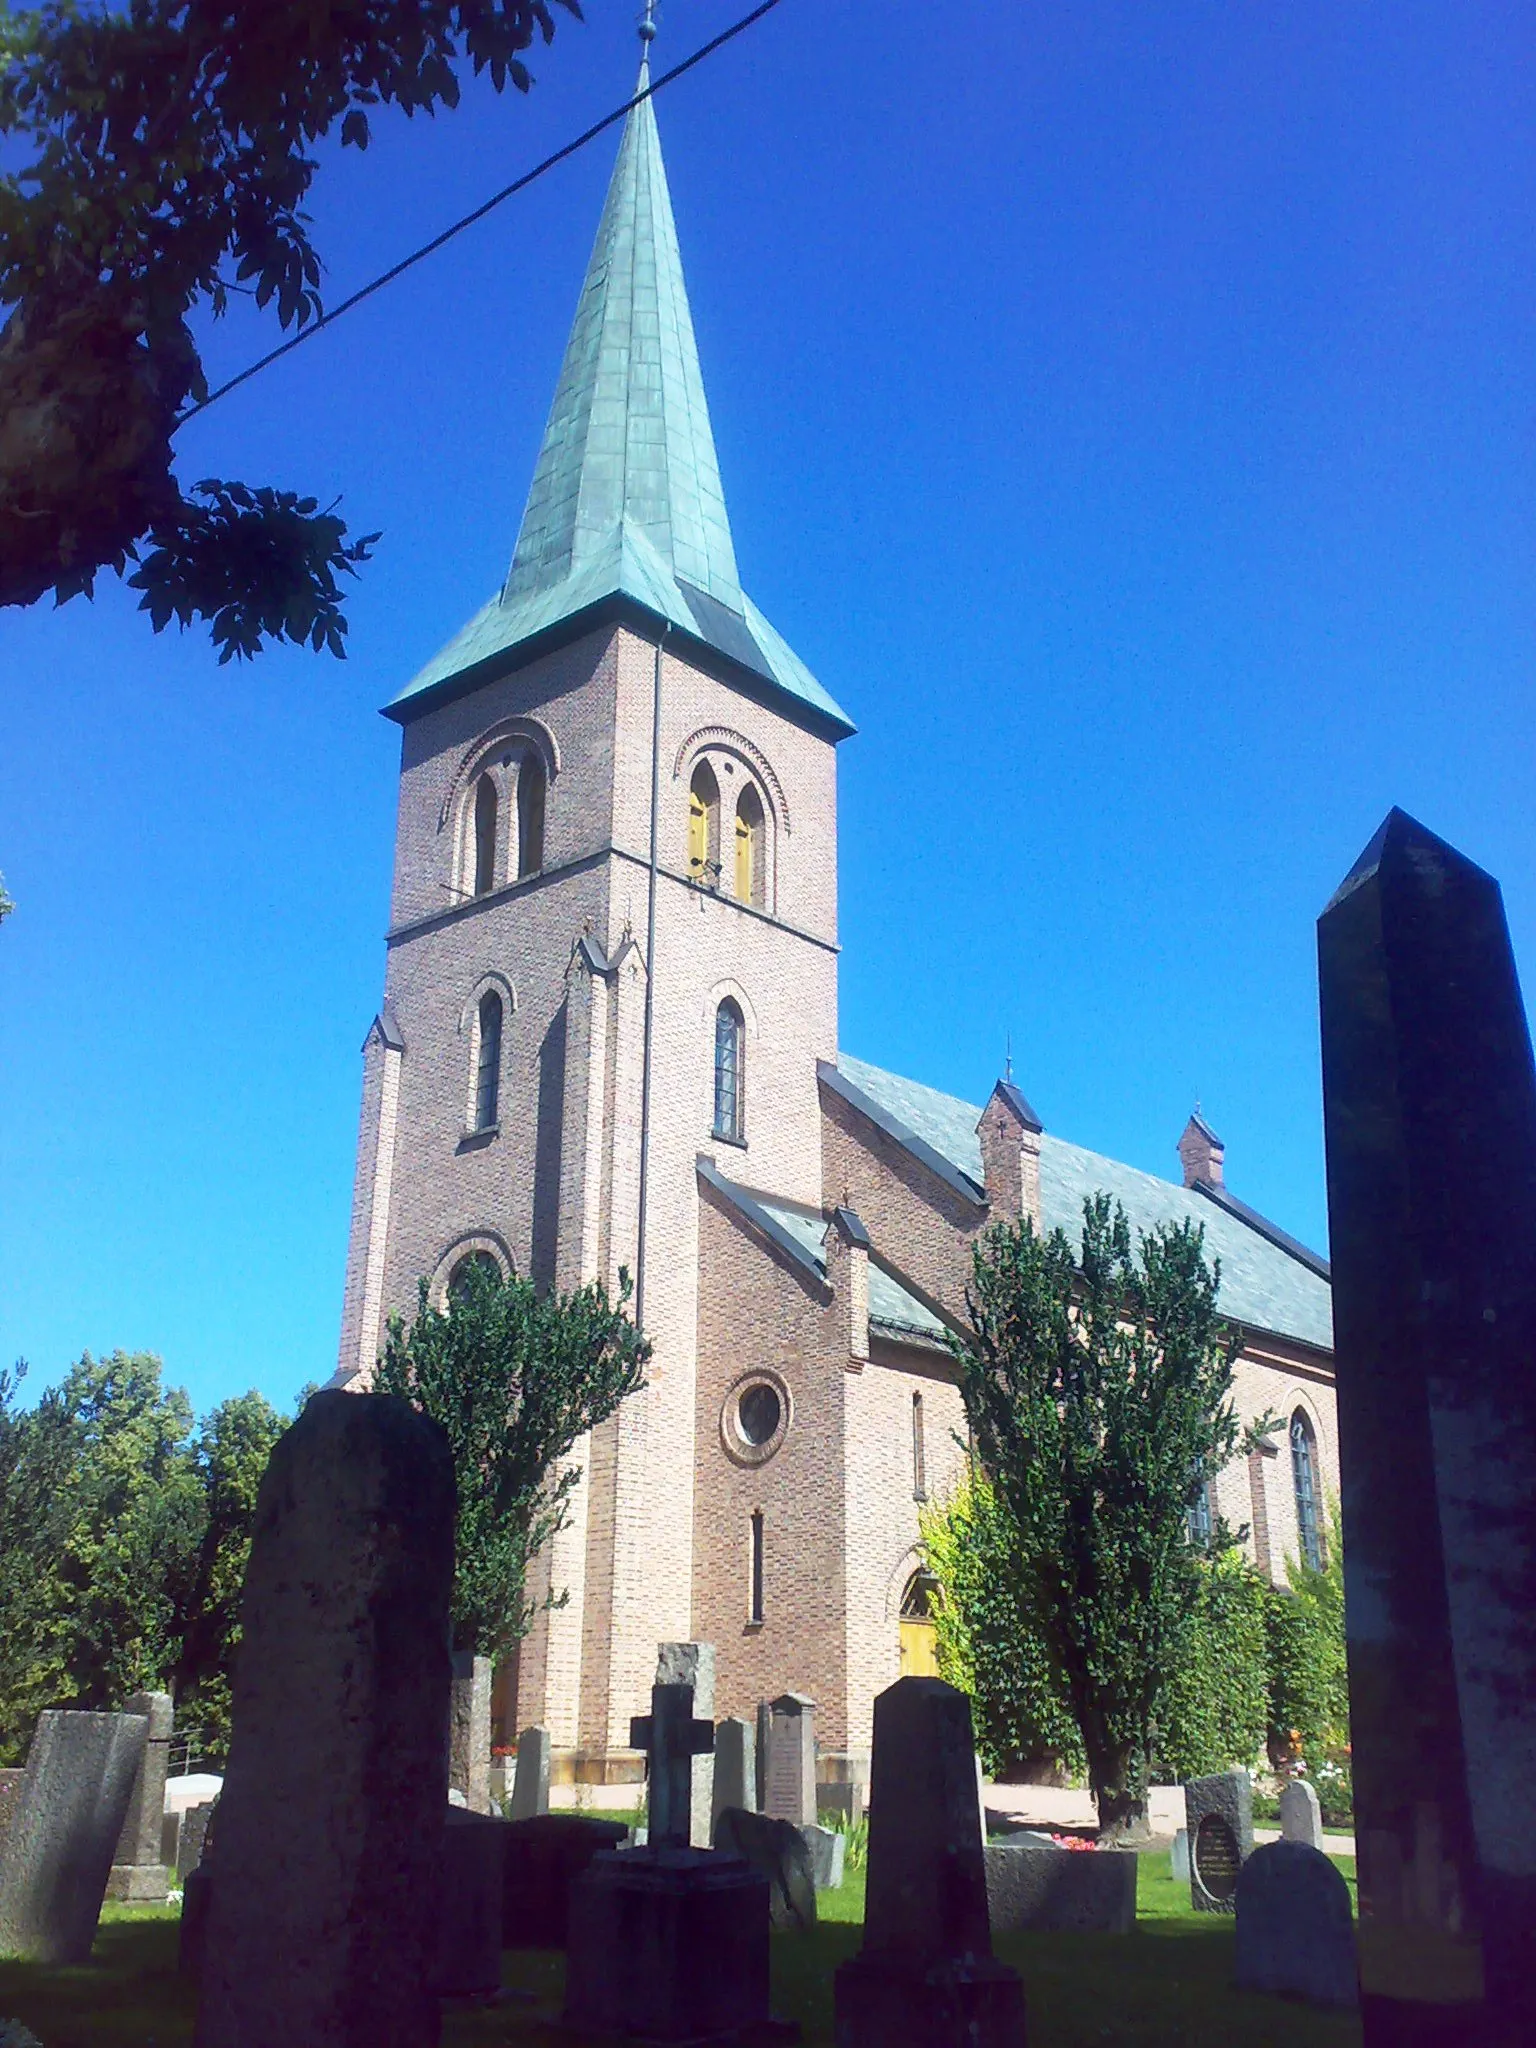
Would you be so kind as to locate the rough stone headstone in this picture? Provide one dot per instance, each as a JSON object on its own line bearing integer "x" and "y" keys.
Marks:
{"x": 10, "y": 1792}
{"x": 469, "y": 1741}
{"x": 926, "y": 1972}
{"x": 138, "y": 1869}
{"x": 530, "y": 1785}
{"x": 791, "y": 1779}
{"x": 467, "y": 1959}
{"x": 192, "y": 1838}
{"x": 779, "y": 1852}
{"x": 64, "y": 1827}
{"x": 541, "y": 1858}
{"x": 1295, "y": 1928}
{"x": 1178, "y": 1857}
{"x": 669, "y": 1943}
{"x": 828, "y": 1852}
{"x": 330, "y": 1823}
{"x": 1063, "y": 1891}
{"x": 170, "y": 1840}
{"x": 693, "y": 1664}
{"x": 1218, "y": 1814}
{"x": 1301, "y": 1816}
{"x": 1429, "y": 1099}
{"x": 735, "y": 1777}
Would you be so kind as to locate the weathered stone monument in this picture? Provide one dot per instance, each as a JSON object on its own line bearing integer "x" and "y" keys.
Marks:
{"x": 64, "y": 1827}
{"x": 1060, "y": 1891}
{"x": 1178, "y": 1857}
{"x": 1295, "y": 1926}
{"x": 1301, "y": 1816}
{"x": 735, "y": 1776}
{"x": 790, "y": 1782}
{"x": 828, "y": 1849}
{"x": 530, "y": 1784}
{"x": 466, "y": 1962}
{"x": 138, "y": 1867}
{"x": 1218, "y": 1817}
{"x": 778, "y": 1851}
{"x": 192, "y": 1836}
{"x": 330, "y": 1822}
{"x": 1429, "y": 1100}
{"x": 926, "y": 1973}
{"x": 469, "y": 1741}
{"x": 693, "y": 1664}
{"x": 669, "y": 1943}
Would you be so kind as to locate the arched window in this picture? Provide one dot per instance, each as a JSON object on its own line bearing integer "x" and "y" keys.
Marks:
{"x": 1198, "y": 1518}
{"x": 472, "y": 1262}
{"x": 917, "y": 1634}
{"x": 530, "y": 815}
{"x": 485, "y": 835}
{"x": 704, "y": 826}
{"x": 749, "y": 847}
{"x": 728, "y": 1074}
{"x": 1304, "y": 1477}
{"x": 488, "y": 1062}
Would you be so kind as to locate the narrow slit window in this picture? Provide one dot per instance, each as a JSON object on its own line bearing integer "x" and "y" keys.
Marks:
{"x": 488, "y": 1062}
{"x": 728, "y": 1073}
{"x": 1304, "y": 1477}
{"x": 485, "y": 835}
{"x": 530, "y": 815}
{"x": 919, "y": 1456}
{"x": 755, "y": 1591}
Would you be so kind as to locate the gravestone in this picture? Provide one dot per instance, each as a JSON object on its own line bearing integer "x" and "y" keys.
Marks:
{"x": 1178, "y": 1857}
{"x": 138, "y": 1868}
{"x": 780, "y": 1853}
{"x": 1301, "y": 1816}
{"x": 926, "y": 1973}
{"x": 530, "y": 1785}
{"x": 541, "y": 1859}
{"x": 469, "y": 1724}
{"x": 1060, "y": 1891}
{"x": 1218, "y": 1814}
{"x": 10, "y": 1792}
{"x": 764, "y": 1743}
{"x": 828, "y": 1852}
{"x": 466, "y": 1962}
{"x": 791, "y": 1777}
{"x": 693, "y": 1664}
{"x": 330, "y": 1824}
{"x": 64, "y": 1827}
{"x": 191, "y": 1840}
{"x": 1295, "y": 1926}
{"x": 1429, "y": 1100}
{"x": 735, "y": 1778}
{"x": 669, "y": 1943}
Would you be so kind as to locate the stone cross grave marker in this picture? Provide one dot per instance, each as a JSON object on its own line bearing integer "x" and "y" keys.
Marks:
{"x": 671, "y": 1738}
{"x": 693, "y": 1664}
{"x": 791, "y": 1779}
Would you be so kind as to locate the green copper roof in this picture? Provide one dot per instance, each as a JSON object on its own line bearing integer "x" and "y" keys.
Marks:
{"x": 626, "y": 498}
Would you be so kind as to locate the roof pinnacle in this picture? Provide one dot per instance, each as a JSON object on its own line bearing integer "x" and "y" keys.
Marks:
{"x": 646, "y": 30}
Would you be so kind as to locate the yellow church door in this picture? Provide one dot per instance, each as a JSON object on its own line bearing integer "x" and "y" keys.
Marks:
{"x": 919, "y": 1644}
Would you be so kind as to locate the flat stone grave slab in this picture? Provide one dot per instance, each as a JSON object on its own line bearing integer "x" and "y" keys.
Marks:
{"x": 1066, "y": 1891}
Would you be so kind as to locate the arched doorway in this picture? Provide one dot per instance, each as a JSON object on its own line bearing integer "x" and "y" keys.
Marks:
{"x": 919, "y": 1648}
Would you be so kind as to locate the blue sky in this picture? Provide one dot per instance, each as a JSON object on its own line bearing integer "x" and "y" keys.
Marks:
{"x": 1125, "y": 411}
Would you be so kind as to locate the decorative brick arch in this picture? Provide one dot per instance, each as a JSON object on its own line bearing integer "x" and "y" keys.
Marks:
{"x": 514, "y": 733}
{"x": 723, "y": 739}
{"x": 464, "y": 1247}
{"x": 717, "y": 994}
{"x": 912, "y": 1560}
{"x": 488, "y": 978}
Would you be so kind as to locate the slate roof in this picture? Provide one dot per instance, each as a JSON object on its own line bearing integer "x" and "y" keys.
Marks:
{"x": 1268, "y": 1282}
{"x": 803, "y": 1234}
{"x": 626, "y": 501}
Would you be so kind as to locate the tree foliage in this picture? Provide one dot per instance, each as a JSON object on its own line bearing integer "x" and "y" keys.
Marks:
{"x": 515, "y": 1378}
{"x": 1309, "y": 1685}
{"x": 170, "y": 146}
{"x": 1097, "y": 1390}
{"x": 124, "y": 1533}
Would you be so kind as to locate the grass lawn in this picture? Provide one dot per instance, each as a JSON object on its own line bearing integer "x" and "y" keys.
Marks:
{"x": 1168, "y": 1985}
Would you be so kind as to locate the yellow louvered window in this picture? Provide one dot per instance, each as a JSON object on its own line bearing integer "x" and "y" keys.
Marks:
{"x": 703, "y": 826}
{"x": 749, "y": 847}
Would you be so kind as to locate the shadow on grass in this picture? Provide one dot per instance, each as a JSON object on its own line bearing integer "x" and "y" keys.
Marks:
{"x": 1167, "y": 1985}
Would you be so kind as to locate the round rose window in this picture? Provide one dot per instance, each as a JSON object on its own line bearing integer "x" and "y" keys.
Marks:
{"x": 758, "y": 1414}
{"x": 754, "y": 1417}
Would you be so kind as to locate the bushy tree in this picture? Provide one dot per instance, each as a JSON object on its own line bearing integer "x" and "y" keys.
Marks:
{"x": 36, "y": 1459}
{"x": 984, "y": 1638}
{"x": 515, "y": 1378}
{"x": 170, "y": 156}
{"x": 1309, "y": 1679}
{"x": 1215, "y": 1706}
{"x": 1097, "y": 1387}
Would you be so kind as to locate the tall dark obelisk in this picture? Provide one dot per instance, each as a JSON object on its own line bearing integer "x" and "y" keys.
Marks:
{"x": 1430, "y": 1110}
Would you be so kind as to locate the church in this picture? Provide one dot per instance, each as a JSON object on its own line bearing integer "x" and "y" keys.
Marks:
{"x": 609, "y": 1039}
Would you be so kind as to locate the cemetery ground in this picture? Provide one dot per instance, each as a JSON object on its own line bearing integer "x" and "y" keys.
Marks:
{"x": 1167, "y": 1985}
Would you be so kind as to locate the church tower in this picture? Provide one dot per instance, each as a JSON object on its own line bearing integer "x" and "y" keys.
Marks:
{"x": 613, "y": 938}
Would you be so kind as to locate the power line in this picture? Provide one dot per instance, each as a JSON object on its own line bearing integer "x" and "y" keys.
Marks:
{"x": 468, "y": 220}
